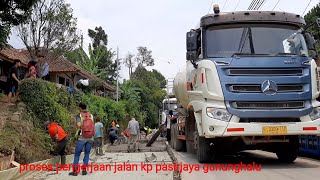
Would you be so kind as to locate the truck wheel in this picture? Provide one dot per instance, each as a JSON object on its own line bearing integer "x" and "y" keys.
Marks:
{"x": 202, "y": 148}
{"x": 178, "y": 143}
{"x": 288, "y": 152}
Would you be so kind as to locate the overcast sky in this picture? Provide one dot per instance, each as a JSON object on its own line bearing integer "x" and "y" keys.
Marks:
{"x": 160, "y": 25}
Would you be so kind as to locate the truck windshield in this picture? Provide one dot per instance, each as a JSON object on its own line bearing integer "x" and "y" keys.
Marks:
{"x": 251, "y": 39}
{"x": 170, "y": 106}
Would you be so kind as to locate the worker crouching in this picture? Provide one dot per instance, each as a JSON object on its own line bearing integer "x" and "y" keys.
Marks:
{"x": 61, "y": 140}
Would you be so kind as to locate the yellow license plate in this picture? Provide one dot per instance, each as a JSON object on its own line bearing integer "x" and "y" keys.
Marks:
{"x": 274, "y": 130}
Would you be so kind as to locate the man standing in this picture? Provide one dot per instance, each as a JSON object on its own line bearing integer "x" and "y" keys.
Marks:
{"x": 13, "y": 81}
{"x": 43, "y": 68}
{"x": 98, "y": 128}
{"x": 85, "y": 139}
{"x": 59, "y": 136}
{"x": 134, "y": 130}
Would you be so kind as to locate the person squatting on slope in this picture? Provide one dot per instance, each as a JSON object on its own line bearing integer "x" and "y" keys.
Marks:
{"x": 59, "y": 136}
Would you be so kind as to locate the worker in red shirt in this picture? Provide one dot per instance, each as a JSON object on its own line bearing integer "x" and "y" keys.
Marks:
{"x": 58, "y": 136}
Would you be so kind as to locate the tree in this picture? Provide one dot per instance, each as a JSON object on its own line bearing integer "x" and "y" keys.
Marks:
{"x": 129, "y": 62}
{"x": 149, "y": 84}
{"x": 311, "y": 17}
{"x": 51, "y": 26}
{"x": 98, "y": 37}
{"x": 90, "y": 61}
{"x": 160, "y": 78}
{"x": 13, "y": 13}
{"x": 144, "y": 57}
{"x": 99, "y": 40}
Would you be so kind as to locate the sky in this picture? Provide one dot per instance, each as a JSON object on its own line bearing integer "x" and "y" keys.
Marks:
{"x": 160, "y": 25}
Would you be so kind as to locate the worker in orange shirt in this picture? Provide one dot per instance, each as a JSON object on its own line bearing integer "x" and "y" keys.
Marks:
{"x": 58, "y": 136}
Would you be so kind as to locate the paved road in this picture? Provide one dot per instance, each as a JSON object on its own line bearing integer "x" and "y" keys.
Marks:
{"x": 271, "y": 169}
{"x": 111, "y": 166}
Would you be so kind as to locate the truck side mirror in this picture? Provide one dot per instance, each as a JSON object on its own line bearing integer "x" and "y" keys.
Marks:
{"x": 192, "y": 45}
{"x": 192, "y": 41}
{"x": 310, "y": 41}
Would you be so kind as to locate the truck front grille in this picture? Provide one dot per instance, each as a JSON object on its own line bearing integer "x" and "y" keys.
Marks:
{"x": 266, "y": 120}
{"x": 268, "y": 105}
{"x": 265, "y": 72}
{"x": 257, "y": 88}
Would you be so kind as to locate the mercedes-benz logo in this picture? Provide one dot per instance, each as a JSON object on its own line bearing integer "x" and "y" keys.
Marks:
{"x": 269, "y": 87}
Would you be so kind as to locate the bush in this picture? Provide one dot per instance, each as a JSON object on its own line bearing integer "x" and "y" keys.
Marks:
{"x": 46, "y": 101}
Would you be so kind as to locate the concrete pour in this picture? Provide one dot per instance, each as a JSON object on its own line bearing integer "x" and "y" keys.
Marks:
{"x": 133, "y": 166}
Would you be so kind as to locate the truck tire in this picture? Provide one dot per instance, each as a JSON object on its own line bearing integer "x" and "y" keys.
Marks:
{"x": 202, "y": 147}
{"x": 288, "y": 152}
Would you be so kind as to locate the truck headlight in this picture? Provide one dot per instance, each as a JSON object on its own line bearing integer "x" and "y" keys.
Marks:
{"x": 220, "y": 114}
{"x": 315, "y": 114}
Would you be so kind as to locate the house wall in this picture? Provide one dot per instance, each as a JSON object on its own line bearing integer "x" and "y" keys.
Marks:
{"x": 65, "y": 78}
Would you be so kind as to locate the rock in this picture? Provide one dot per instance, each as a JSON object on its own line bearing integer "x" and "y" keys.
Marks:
{"x": 21, "y": 107}
{"x": 15, "y": 116}
{"x": 21, "y": 104}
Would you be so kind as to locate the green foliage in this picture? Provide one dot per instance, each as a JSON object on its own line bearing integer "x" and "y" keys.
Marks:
{"x": 89, "y": 62}
{"x": 30, "y": 143}
{"x": 12, "y": 12}
{"x": 144, "y": 57}
{"x": 310, "y": 18}
{"x": 107, "y": 109}
{"x": 46, "y": 102}
{"x": 98, "y": 36}
{"x": 51, "y": 26}
{"x": 144, "y": 94}
{"x": 99, "y": 42}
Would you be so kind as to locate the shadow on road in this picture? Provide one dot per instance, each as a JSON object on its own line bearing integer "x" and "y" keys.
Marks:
{"x": 267, "y": 161}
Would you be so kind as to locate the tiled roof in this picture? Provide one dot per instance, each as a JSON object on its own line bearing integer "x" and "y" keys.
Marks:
{"x": 57, "y": 64}
{"x": 12, "y": 54}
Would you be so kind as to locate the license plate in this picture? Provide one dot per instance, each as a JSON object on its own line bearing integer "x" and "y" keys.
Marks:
{"x": 274, "y": 130}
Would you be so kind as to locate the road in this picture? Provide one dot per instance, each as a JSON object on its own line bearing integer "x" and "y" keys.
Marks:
{"x": 271, "y": 169}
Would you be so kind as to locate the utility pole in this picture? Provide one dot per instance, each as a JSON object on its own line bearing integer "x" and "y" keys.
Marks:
{"x": 117, "y": 73}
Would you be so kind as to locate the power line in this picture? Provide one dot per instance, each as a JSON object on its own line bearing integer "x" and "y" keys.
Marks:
{"x": 236, "y": 5}
{"x": 252, "y": 4}
{"x": 256, "y": 4}
{"x": 224, "y": 5}
{"x": 261, "y": 4}
{"x": 210, "y": 7}
{"x": 306, "y": 8}
{"x": 275, "y": 5}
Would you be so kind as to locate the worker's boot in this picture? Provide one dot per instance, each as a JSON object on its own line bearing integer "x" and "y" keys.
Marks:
{"x": 100, "y": 151}
{"x": 63, "y": 160}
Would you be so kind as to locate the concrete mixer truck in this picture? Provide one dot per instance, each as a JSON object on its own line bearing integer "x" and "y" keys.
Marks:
{"x": 250, "y": 83}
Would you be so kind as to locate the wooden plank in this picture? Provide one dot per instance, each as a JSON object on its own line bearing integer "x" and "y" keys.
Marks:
{"x": 15, "y": 163}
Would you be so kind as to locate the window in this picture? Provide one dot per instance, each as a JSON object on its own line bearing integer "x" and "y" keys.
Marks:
{"x": 62, "y": 80}
{"x": 254, "y": 39}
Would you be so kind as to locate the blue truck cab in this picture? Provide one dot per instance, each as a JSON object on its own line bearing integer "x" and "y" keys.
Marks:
{"x": 253, "y": 84}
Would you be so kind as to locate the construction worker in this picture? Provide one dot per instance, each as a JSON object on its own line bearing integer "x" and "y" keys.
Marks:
{"x": 134, "y": 130}
{"x": 98, "y": 138}
{"x": 59, "y": 136}
{"x": 84, "y": 139}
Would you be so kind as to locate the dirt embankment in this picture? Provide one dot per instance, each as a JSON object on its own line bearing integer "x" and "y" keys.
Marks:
{"x": 18, "y": 134}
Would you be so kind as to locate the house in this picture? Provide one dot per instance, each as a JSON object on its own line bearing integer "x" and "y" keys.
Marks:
{"x": 61, "y": 70}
